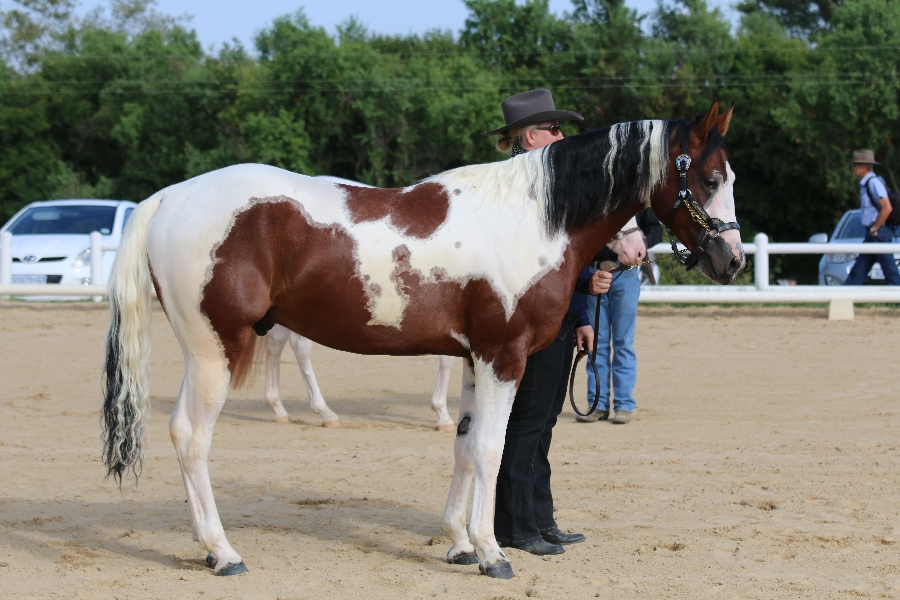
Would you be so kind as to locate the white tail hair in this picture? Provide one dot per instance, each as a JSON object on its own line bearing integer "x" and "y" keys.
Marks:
{"x": 126, "y": 373}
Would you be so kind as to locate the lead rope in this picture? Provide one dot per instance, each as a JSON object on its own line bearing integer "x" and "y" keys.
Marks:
{"x": 593, "y": 354}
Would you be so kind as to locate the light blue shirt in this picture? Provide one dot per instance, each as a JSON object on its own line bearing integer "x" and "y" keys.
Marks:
{"x": 871, "y": 189}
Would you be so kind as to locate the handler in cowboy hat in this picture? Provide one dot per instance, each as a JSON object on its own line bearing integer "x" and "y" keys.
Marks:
{"x": 524, "y": 507}
{"x": 532, "y": 122}
{"x": 875, "y": 209}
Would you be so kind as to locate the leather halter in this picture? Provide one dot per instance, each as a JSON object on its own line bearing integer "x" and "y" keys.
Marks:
{"x": 712, "y": 226}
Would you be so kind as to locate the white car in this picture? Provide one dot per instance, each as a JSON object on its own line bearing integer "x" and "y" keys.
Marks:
{"x": 51, "y": 239}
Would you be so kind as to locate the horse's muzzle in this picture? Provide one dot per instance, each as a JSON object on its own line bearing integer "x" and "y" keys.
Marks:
{"x": 720, "y": 262}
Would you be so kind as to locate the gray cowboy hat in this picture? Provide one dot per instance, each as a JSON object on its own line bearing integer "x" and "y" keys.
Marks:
{"x": 530, "y": 108}
{"x": 866, "y": 157}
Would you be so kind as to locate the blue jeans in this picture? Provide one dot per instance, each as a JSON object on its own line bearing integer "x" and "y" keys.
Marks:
{"x": 615, "y": 341}
{"x": 865, "y": 262}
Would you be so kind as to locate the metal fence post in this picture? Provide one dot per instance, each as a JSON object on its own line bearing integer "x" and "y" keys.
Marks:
{"x": 761, "y": 262}
{"x": 96, "y": 261}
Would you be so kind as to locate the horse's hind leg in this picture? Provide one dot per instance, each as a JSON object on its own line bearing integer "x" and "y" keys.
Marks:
{"x": 462, "y": 552}
{"x": 276, "y": 340}
{"x": 200, "y": 401}
{"x": 303, "y": 351}
{"x": 439, "y": 397}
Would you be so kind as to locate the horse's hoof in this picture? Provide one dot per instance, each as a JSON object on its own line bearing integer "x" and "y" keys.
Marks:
{"x": 446, "y": 427}
{"x": 332, "y": 423}
{"x": 467, "y": 558}
{"x": 211, "y": 561}
{"x": 238, "y": 569}
{"x": 498, "y": 570}
{"x": 284, "y": 419}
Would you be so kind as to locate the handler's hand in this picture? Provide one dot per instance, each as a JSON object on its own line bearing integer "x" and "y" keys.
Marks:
{"x": 584, "y": 338}
{"x": 600, "y": 282}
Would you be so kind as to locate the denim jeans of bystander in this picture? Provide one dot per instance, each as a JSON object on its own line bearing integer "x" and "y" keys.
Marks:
{"x": 616, "y": 359}
{"x": 865, "y": 262}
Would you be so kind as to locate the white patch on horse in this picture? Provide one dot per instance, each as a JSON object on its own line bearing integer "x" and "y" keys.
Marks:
{"x": 721, "y": 206}
{"x": 463, "y": 340}
{"x": 490, "y": 195}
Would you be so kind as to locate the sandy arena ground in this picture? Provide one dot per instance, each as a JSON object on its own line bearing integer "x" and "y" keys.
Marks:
{"x": 762, "y": 463}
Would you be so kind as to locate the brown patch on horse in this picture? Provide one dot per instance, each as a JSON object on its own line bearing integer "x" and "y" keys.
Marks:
{"x": 417, "y": 212}
{"x": 277, "y": 263}
{"x": 237, "y": 295}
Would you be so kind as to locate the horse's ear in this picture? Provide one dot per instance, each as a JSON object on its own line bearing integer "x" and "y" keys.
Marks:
{"x": 701, "y": 130}
{"x": 724, "y": 120}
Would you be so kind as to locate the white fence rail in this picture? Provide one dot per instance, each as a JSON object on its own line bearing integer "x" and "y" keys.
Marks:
{"x": 761, "y": 292}
{"x": 762, "y": 249}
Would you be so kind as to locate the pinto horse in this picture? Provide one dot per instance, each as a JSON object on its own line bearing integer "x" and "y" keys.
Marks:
{"x": 629, "y": 246}
{"x": 478, "y": 262}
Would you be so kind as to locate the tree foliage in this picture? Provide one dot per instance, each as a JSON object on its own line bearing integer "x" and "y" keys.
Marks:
{"x": 123, "y": 102}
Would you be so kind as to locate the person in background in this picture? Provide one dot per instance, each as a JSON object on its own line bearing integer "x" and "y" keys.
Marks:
{"x": 875, "y": 209}
{"x": 615, "y": 333}
{"x": 524, "y": 504}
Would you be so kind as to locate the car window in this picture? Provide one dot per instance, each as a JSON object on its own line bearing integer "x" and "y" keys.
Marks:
{"x": 128, "y": 212}
{"x": 852, "y": 228}
{"x": 65, "y": 219}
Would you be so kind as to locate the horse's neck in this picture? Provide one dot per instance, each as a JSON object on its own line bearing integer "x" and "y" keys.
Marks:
{"x": 587, "y": 241}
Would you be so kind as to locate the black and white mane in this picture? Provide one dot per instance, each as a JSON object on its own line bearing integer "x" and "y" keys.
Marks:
{"x": 593, "y": 174}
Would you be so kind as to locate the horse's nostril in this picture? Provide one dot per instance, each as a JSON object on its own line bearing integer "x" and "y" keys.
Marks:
{"x": 735, "y": 265}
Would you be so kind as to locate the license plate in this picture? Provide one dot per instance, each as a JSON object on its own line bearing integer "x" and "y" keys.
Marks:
{"x": 29, "y": 279}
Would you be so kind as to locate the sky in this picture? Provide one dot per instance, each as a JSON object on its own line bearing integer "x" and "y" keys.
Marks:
{"x": 218, "y": 21}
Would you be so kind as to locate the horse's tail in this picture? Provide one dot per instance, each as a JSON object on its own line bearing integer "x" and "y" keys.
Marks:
{"x": 126, "y": 373}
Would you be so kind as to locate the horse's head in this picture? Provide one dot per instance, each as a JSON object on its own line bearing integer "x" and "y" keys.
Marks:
{"x": 697, "y": 202}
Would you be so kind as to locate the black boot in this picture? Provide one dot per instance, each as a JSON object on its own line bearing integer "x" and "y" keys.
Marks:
{"x": 538, "y": 547}
{"x": 555, "y": 536}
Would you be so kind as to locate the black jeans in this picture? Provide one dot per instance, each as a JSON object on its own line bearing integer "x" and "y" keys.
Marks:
{"x": 524, "y": 506}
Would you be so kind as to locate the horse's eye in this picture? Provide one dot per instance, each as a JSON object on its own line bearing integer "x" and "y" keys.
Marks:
{"x": 711, "y": 183}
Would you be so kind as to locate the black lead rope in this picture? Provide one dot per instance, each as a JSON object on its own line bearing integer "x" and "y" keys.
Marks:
{"x": 605, "y": 266}
{"x": 593, "y": 362}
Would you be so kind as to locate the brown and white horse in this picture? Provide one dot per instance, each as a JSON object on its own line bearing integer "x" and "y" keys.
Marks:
{"x": 629, "y": 247}
{"x": 478, "y": 262}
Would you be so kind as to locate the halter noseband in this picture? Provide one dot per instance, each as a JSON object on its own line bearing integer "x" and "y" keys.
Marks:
{"x": 712, "y": 226}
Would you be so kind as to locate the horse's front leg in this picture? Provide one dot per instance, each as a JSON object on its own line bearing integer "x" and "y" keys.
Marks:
{"x": 439, "y": 397}
{"x": 494, "y": 400}
{"x": 462, "y": 552}
{"x": 303, "y": 351}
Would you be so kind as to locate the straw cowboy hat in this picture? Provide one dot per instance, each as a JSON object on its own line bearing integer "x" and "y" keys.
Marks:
{"x": 866, "y": 157}
{"x": 530, "y": 108}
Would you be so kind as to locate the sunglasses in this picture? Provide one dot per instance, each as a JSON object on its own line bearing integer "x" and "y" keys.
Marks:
{"x": 553, "y": 129}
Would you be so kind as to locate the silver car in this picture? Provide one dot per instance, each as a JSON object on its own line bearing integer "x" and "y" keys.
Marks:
{"x": 51, "y": 239}
{"x": 834, "y": 268}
